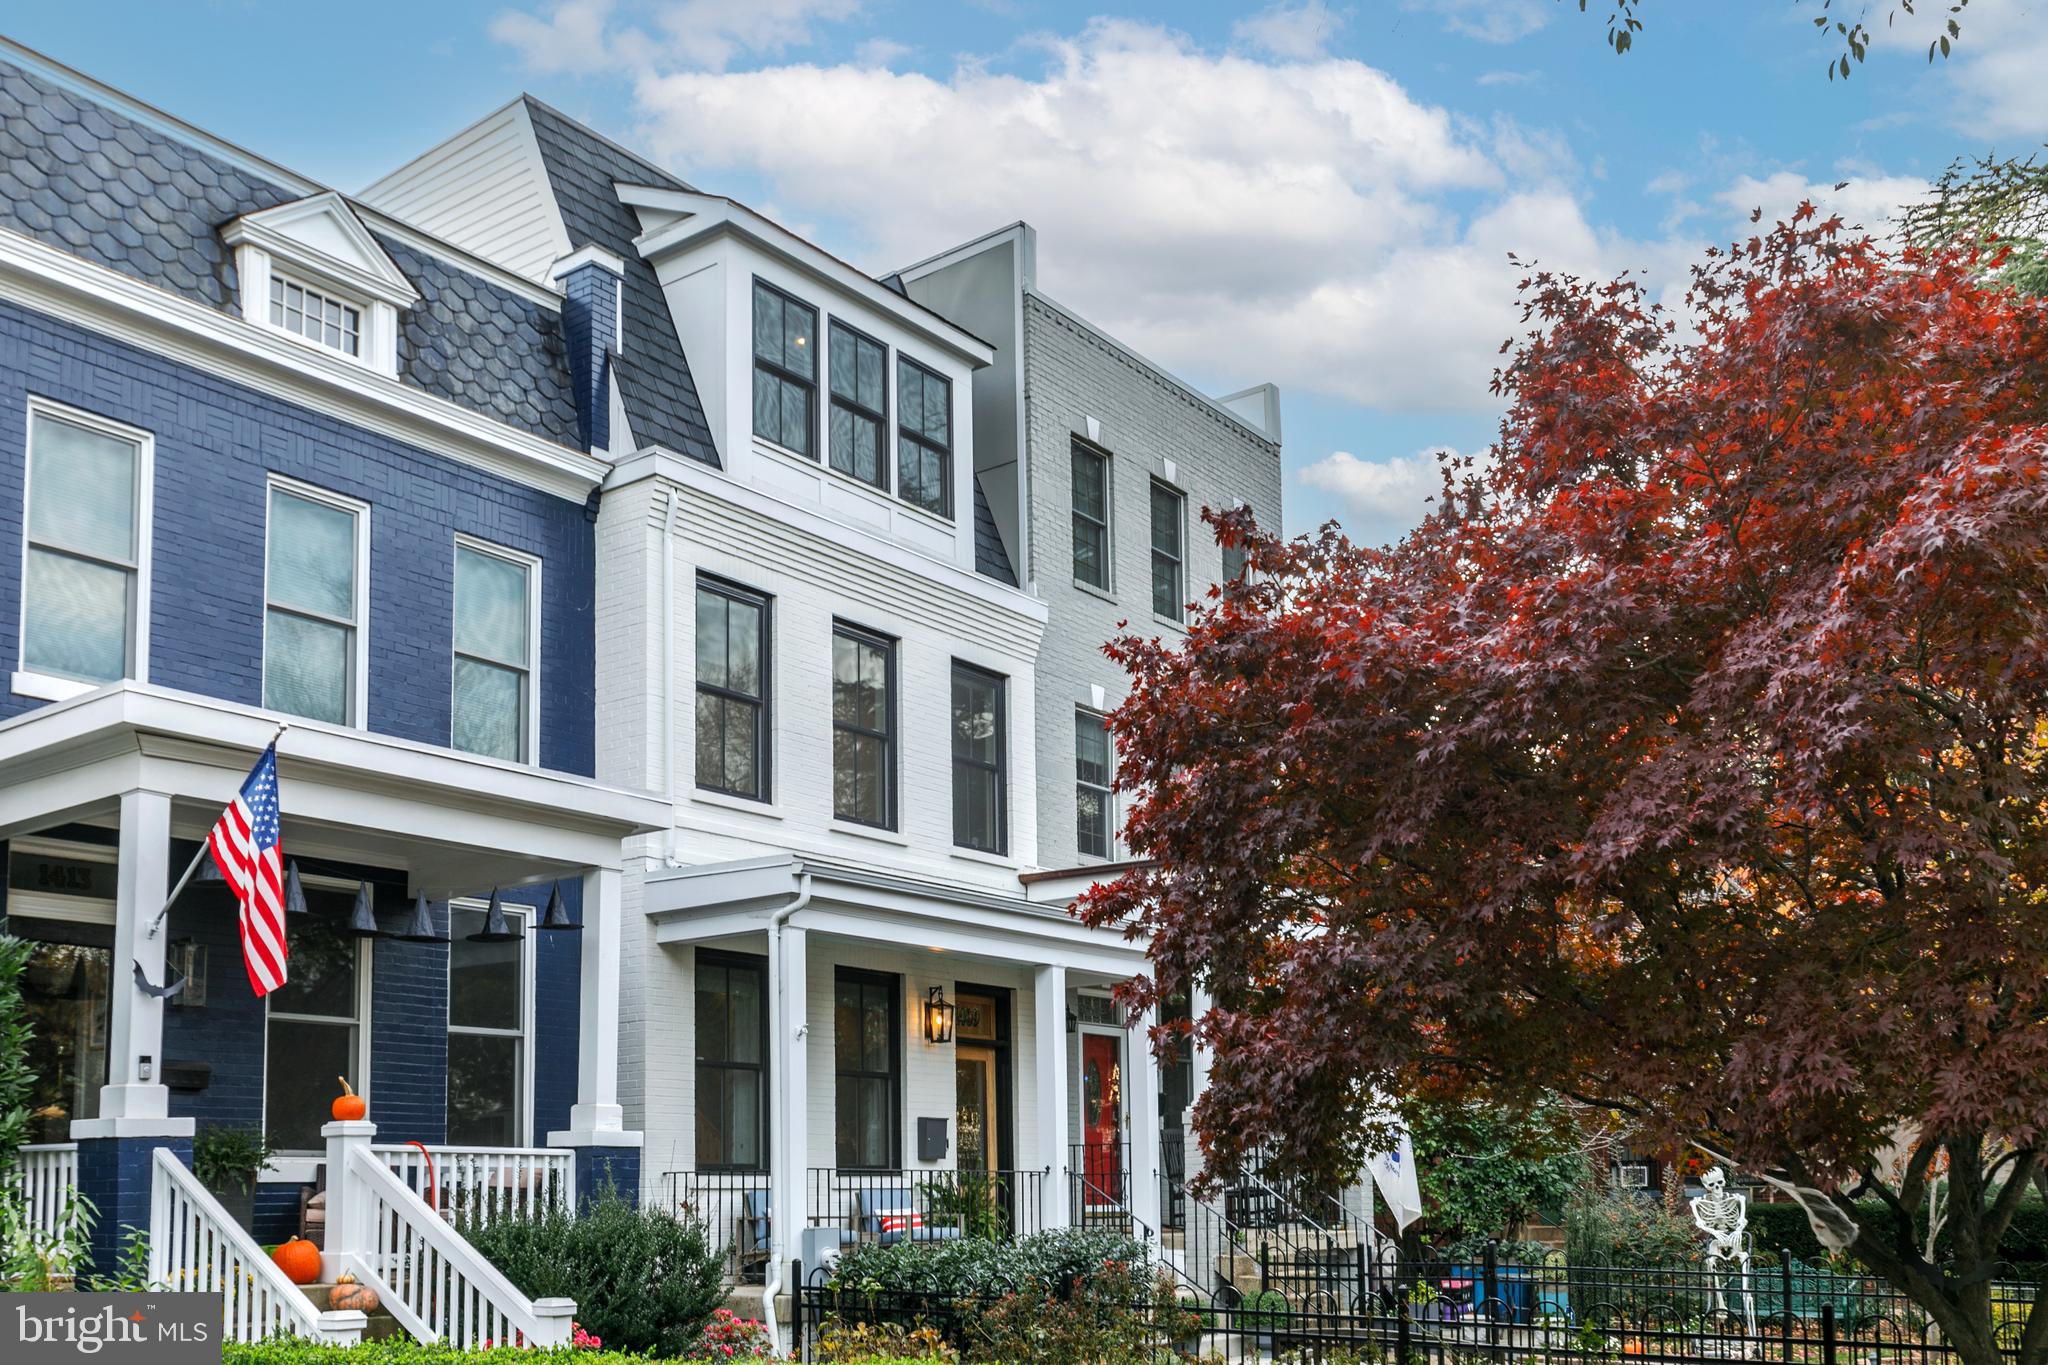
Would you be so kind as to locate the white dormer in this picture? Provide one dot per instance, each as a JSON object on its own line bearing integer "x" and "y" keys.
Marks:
{"x": 311, "y": 270}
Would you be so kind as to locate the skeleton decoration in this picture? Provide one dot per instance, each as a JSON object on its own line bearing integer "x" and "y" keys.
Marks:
{"x": 1724, "y": 1216}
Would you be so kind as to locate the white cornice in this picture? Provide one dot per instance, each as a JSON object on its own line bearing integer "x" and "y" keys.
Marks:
{"x": 375, "y": 275}
{"x": 71, "y": 288}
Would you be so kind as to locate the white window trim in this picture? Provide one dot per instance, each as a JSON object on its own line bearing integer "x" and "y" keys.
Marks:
{"x": 359, "y": 665}
{"x": 49, "y": 686}
{"x": 1109, "y": 574}
{"x": 1108, "y": 792}
{"x": 286, "y": 1164}
{"x": 365, "y": 327}
{"x": 1180, "y": 495}
{"x": 529, "y": 953}
{"x": 530, "y": 723}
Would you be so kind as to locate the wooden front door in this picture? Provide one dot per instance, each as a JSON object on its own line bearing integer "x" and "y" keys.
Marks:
{"x": 1102, "y": 1089}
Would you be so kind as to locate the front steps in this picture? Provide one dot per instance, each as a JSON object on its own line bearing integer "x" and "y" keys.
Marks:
{"x": 379, "y": 1324}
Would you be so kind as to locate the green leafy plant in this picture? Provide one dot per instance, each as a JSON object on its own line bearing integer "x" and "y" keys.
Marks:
{"x": 130, "y": 1274}
{"x": 968, "y": 1200}
{"x": 973, "y": 1267}
{"x": 405, "y": 1351}
{"x": 882, "y": 1343}
{"x": 35, "y": 1259}
{"x": 643, "y": 1279}
{"x": 17, "y": 1077}
{"x": 1119, "y": 1314}
{"x": 1264, "y": 1313}
{"x": 225, "y": 1158}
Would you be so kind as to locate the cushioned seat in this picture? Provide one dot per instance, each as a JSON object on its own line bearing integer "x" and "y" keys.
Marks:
{"x": 889, "y": 1216}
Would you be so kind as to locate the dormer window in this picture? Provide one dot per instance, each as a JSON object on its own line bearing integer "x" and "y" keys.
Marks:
{"x": 316, "y": 316}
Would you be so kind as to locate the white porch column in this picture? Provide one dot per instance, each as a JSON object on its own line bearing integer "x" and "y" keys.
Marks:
{"x": 141, "y": 881}
{"x": 1198, "y": 1078}
{"x": 1049, "y": 1017}
{"x": 1141, "y": 1102}
{"x": 789, "y": 1112}
{"x": 346, "y": 1220}
{"x": 596, "y": 1119}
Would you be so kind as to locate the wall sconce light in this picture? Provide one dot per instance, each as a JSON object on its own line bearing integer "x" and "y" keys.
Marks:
{"x": 938, "y": 1016}
{"x": 1073, "y": 1023}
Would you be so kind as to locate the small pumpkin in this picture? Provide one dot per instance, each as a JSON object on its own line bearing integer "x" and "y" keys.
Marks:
{"x": 348, "y": 1106}
{"x": 299, "y": 1259}
{"x": 348, "y": 1296}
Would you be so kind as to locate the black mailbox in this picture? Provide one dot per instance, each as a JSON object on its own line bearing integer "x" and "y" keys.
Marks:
{"x": 931, "y": 1139}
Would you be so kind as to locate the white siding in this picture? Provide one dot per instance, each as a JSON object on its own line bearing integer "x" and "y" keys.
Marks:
{"x": 484, "y": 190}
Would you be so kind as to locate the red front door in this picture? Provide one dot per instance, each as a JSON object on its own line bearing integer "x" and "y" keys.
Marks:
{"x": 1102, "y": 1089}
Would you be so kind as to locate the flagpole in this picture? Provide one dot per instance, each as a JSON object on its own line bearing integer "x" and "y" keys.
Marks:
{"x": 193, "y": 866}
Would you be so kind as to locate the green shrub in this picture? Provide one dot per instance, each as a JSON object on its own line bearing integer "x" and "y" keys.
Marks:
{"x": 406, "y": 1351}
{"x": 1777, "y": 1227}
{"x": 224, "y": 1158}
{"x": 970, "y": 1267}
{"x": 17, "y": 1078}
{"x": 644, "y": 1280}
{"x": 1119, "y": 1314}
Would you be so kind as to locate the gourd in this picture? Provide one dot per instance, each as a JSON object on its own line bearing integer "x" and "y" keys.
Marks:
{"x": 347, "y": 1295}
{"x": 348, "y": 1105}
{"x": 299, "y": 1259}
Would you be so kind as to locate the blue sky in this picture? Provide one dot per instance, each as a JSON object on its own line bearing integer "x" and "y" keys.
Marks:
{"x": 1321, "y": 195}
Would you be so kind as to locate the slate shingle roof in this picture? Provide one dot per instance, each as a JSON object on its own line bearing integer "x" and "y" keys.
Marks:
{"x": 655, "y": 385}
{"x": 89, "y": 180}
{"x": 990, "y": 558}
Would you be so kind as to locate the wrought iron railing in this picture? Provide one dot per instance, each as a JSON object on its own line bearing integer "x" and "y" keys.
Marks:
{"x": 1100, "y": 1171}
{"x": 734, "y": 1208}
{"x": 926, "y": 1203}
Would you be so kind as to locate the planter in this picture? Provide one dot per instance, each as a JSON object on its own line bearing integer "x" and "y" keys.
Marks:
{"x": 238, "y": 1200}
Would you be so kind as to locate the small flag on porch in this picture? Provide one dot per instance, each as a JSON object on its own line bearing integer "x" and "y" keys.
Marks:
{"x": 245, "y": 847}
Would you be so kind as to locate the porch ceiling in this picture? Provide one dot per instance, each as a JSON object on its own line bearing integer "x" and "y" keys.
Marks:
{"x": 454, "y": 822}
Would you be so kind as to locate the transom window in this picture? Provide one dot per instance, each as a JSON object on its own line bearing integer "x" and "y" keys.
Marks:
{"x": 924, "y": 437}
{"x": 316, "y": 316}
{"x": 859, "y": 400}
{"x": 85, "y": 538}
{"x": 865, "y": 1053}
{"x": 732, "y": 689}
{"x": 494, "y": 647}
{"x": 785, "y": 369}
{"x": 1094, "y": 803}
{"x": 313, "y": 1028}
{"x": 863, "y": 727}
{"x": 978, "y": 759}
{"x": 1091, "y": 517}
{"x": 486, "y": 1032}
{"x": 314, "y": 602}
{"x": 1169, "y": 593}
{"x": 732, "y": 1064}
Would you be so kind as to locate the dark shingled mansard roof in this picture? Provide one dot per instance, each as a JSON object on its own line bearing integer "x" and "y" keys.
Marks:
{"x": 87, "y": 179}
{"x": 990, "y": 558}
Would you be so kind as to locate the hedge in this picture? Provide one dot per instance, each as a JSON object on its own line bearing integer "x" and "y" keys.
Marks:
{"x": 406, "y": 1351}
{"x": 1783, "y": 1226}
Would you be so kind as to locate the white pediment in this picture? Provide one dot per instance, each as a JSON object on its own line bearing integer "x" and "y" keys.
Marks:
{"x": 321, "y": 235}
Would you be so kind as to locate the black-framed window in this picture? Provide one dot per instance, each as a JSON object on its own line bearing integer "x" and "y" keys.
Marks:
{"x": 785, "y": 369}
{"x": 487, "y": 1032}
{"x": 1091, "y": 517}
{"x": 1234, "y": 561}
{"x": 863, "y": 726}
{"x": 732, "y": 689}
{"x": 732, "y": 1062}
{"x": 1094, "y": 801}
{"x": 924, "y": 437}
{"x": 1169, "y": 591}
{"x": 860, "y": 400}
{"x": 867, "y": 1054}
{"x": 979, "y": 757}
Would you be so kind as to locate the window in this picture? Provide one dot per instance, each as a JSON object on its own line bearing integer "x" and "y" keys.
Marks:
{"x": 978, "y": 758}
{"x": 1091, "y": 517}
{"x": 1094, "y": 805}
{"x": 863, "y": 727}
{"x": 1168, "y": 594}
{"x": 86, "y": 528}
{"x": 315, "y": 316}
{"x": 785, "y": 369}
{"x": 311, "y": 655}
{"x": 314, "y": 1027}
{"x": 924, "y": 437}
{"x": 494, "y": 602}
{"x": 732, "y": 1070}
{"x": 859, "y": 398}
{"x": 865, "y": 1035}
{"x": 1234, "y": 561}
{"x": 732, "y": 690}
{"x": 486, "y": 1032}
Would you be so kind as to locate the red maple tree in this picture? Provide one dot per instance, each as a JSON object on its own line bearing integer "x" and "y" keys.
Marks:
{"x": 1690, "y": 761}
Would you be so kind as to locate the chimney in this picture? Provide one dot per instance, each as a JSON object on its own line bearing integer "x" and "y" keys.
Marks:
{"x": 593, "y": 283}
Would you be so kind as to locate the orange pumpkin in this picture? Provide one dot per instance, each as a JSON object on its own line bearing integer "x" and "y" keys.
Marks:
{"x": 348, "y": 1296}
{"x": 348, "y": 1105}
{"x": 299, "y": 1259}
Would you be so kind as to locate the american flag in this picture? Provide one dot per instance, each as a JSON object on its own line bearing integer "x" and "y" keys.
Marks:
{"x": 244, "y": 843}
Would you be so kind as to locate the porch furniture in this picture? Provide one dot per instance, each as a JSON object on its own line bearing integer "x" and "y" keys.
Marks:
{"x": 891, "y": 1215}
{"x": 750, "y": 1245}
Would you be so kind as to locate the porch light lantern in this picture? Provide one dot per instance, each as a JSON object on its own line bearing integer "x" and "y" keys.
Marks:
{"x": 294, "y": 894}
{"x": 362, "y": 919}
{"x": 496, "y": 928}
{"x": 556, "y": 918}
{"x": 420, "y": 928}
{"x": 938, "y": 1016}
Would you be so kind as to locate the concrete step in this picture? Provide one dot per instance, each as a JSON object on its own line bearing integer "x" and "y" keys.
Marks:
{"x": 379, "y": 1325}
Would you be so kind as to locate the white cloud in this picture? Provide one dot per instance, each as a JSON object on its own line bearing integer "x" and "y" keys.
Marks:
{"x": 1993, "y": 69}
{"x": 1295, "y": 32}
{"x": 1377, "y": 500}
{"x": 571, "y": 38}
{"x": 1868, "y": 202}
{"x": 880, "y": 52}
{"x": 1490, "y": 78}
{"x": 577, "y": 35}
{"x": 1490, "y": 21}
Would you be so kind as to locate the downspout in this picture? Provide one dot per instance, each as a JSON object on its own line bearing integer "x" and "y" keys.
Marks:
{"x": 668, "y": 671}
{"x": 781, "y": 1226}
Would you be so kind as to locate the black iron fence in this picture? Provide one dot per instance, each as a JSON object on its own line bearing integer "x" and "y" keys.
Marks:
{"x": 734, "y": 1208}
{"x": 926, "y": 1204}
{"x": 1101, "y": 1174}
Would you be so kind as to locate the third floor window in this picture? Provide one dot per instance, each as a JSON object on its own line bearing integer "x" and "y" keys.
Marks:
{"x": 785, "y": 369}
{"x": 1169, "y": 584}
{"x": 1091, "y": 517}
{"x": 859, "y": 399}
{"x": 924, "y": 437}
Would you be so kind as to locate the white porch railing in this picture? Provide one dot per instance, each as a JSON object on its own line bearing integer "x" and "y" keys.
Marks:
{"x": 46, "y": 1173}
{"x": 434, "y": 1283}
{"x": 194, "y": 1246}
{"x": 485, "y": 1182}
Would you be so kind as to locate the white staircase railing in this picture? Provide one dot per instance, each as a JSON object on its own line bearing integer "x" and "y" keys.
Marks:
{"x": 437, "y": 1285}
{"x": 46, "y": 1174}
{"x": 194, "y": 1246}
{"x": 485, "y": 1182}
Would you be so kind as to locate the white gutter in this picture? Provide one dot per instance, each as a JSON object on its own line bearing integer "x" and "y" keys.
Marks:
{"x": 782, "y": 1221}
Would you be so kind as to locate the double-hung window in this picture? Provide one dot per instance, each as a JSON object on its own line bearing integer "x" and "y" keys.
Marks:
{"x": 1094, "y": 803}
{"x": 1169, "y": 592}
{"x": 732, "y": 689}
{"x": 859, "y": 370}
{"x": 978, "y": 759}
{"x": 313, "y": 1023}
{"x": 487, "y": 1010}
{"x": 494, "y": 646}
{"x": 924, "y": 437}
{"x": 86, "y": 528}
{"x": 785, "y": 369}
{"x": 732, "y": 1063}
{"x": 1091, "y": 517}
{"x": 863, "y": 727}
{"x": 312, "y": 647}
{"x": 866, "y": 1053}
